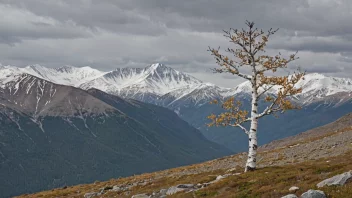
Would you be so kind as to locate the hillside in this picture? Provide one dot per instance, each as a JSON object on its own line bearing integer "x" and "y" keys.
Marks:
{"x": 302, "y": 160}
{"x": 54, "y": 135}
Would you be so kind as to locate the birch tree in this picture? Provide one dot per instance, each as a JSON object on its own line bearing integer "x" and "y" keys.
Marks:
{"x": 248, "y": 52}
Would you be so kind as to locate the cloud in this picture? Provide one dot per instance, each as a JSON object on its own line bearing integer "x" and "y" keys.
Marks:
{"x": 106, "y": 34}
{"x": 19, "y": 24}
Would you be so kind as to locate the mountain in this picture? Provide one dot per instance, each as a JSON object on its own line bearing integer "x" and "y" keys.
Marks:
{"x": 142, "y": 83}
{"x": 54, "y": 135}
{"x": 65, "y": 75}
{"x": 315, "y": 87}
{"x": 323, "y": 99}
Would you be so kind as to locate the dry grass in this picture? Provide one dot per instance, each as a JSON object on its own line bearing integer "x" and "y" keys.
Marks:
{"x": 275, "y": 181}
{"x": 265, "y": 182}
{"x": 270, "y": 181}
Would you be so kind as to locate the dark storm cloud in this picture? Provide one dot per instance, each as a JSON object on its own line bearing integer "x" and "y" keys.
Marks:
{"x": 133, "y": 33}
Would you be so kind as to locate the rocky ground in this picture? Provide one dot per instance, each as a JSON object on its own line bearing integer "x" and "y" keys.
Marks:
{"x": 301, "y": 161}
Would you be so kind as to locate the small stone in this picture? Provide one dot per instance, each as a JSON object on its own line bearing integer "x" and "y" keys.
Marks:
{"x": 337, "y": 180}
{"x": 293, "y": 189}
{"x": 185, "y": 186}
{"x": 179, "y": 188}
{"x": 141, "y": 196}
{"x": 220, "y": 177}
{"x": 290, "y": 196}
{"x": 313, "y": 194}
{"x": 127, "y": 193}
{"x": 90, "y": 195}
{"x": 230, "y": 170}
{"x": 116, "y": 188}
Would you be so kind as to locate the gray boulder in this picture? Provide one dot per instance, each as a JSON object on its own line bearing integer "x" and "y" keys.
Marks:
{"x": 179, "y": 188}
{"x": 313, "y": 194}
{"x": 339, "y": 180}
{"x": 290, "y": 196}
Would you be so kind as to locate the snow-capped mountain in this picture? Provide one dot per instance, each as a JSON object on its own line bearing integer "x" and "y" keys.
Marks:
{"x": 323, "y": 98}
{"x": 156, "y": 79}
{"x": 65, "y": 75}
{"x": 315, "y": 87}
{"x": 165, "y": 86}
{"x": 192, "y": 94}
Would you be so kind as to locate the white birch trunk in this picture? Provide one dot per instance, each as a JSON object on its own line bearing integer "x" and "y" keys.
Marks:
{"x": 253, "y": 144}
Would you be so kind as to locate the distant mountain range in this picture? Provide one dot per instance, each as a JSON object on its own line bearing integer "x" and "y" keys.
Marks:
{"x": 54, "y": 135}
{"x": 164, "y": 84}
{"x": 327, "y": 98}
{"x": 323, "y": 99}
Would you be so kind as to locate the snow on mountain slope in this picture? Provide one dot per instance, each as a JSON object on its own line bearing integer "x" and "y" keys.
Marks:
{"x": 315, "y": 86}
{"x": 159, "y": 82}
{"x": 319, "y": 86}
{"x": 66, "y": 75}
{"x": 155, "y": 79}
{"x": 38, "y": 97}
{"x": 197, "y": 94}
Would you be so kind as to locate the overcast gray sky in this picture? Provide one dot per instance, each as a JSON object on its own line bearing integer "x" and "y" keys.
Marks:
{"x": 106, "y": 34}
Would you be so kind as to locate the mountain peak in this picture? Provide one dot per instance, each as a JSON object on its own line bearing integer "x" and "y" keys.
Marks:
{"x": 65, "y": 68}
{"x": 156, "y": 66}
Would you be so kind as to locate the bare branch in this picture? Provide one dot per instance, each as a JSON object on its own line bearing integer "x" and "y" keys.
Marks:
{"x": 227, "y": 64}
{"x": 262, "y": 44}
{"x": 243, "y": 128}
{"x": 265, "y": 90}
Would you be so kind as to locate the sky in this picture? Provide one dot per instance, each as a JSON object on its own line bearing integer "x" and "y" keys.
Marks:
{"x": 107, "y": 34}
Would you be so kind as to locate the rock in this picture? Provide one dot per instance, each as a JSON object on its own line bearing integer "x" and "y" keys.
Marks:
{"x": 220, "y": 177}
{"x": 163, "y": 191}
{"x": 141, "y": 196}
{"x": 127, "y": 193}
{"x": 116, "y": 188}
{"x": 199, "y": 185}
{"x": 290, "y": 196}
{"x": 293, "y": 189}
{"x": 313, "y": 194}
{"x": 90, "y": 195}
{"x": 185, "y": 186}
{"x": 160, "y": 194}
{"x": 231, "y": 170}
{"x": 108, "y": 188}
{"x": 339, "y": 180}
{"x": 182, "y": 187}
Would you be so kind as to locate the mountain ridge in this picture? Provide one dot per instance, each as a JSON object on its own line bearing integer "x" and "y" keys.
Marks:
{"x": 159, "y": 80}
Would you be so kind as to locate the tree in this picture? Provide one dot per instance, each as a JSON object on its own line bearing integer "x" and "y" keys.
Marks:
{"x": 249, "y": 52}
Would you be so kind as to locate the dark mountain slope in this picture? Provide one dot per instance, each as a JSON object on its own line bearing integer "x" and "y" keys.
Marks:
{"x": 53, "y": 135}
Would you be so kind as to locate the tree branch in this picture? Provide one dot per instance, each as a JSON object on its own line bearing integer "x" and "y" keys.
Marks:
{"x": 265, "y": 90}
{"x": 243, "y": 128}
